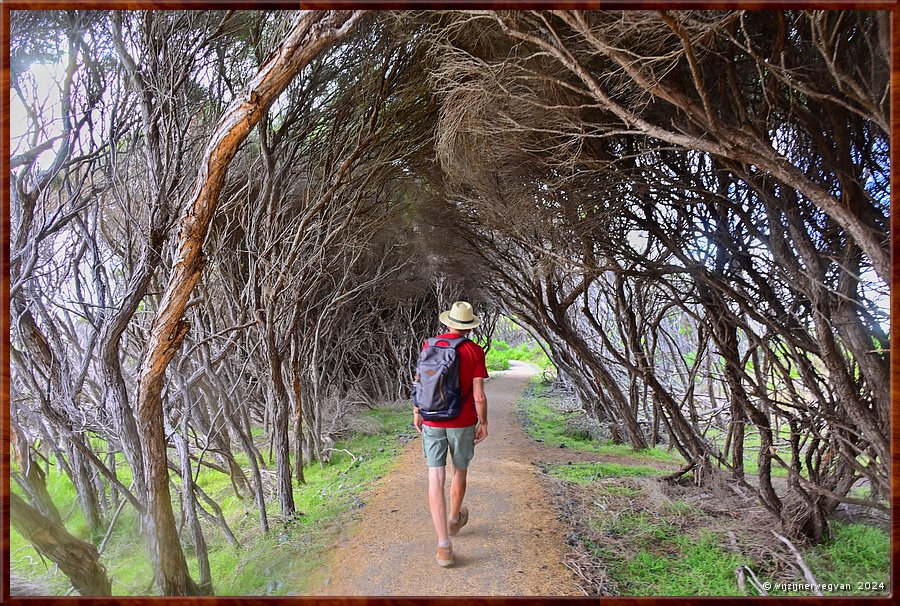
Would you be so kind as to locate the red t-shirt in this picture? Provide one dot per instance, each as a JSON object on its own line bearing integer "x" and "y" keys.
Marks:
{"x": 471, "y": 366}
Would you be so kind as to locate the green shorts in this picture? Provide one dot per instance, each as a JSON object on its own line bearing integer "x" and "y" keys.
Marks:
{"x": 459, "y": 440}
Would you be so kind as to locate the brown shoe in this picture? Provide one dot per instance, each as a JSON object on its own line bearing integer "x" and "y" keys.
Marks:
{"x": 454, "y": 527}
{"x": 444, "y": 556}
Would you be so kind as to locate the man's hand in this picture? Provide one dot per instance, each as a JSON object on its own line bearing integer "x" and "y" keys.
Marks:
{"x": 481, "y": 432}
{"x": 417, "y": 420}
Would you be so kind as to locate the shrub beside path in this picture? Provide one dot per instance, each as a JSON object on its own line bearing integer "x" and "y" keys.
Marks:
{"x": 513, "y": 544}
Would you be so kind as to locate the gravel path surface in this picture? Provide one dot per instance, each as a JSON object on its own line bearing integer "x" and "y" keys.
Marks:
{"x": 512, "y": 546}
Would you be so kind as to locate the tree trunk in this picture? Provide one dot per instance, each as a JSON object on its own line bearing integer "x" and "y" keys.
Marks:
{"x": 311, "y": 32}
{"x": 113, "y": 493}
{"x": 725, "y": 334}
{"x": 189, "y": 505}
{"x": 166, "y": 556}
{"x": 298, "y": 424}
{"x": 84, "y": 487}
{"x": 118, "y": 404}
{"x": 77, "y": 559}
{"x": 654, "y": 439}
{"x": 33, "y": 479}
{"x": 280, "y": 419}
{"x": 738, "y": 419}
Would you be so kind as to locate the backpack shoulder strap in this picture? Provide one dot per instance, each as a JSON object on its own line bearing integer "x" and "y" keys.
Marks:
{"x": 454, "y": 343}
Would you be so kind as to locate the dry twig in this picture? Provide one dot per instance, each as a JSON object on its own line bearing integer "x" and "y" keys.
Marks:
{"x": 807, "y": 573}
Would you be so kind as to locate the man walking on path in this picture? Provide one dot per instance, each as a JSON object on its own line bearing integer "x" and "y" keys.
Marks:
{"x": 458, "y": 435}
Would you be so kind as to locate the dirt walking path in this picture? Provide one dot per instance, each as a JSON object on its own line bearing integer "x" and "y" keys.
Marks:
{"x": 512, "y": 545}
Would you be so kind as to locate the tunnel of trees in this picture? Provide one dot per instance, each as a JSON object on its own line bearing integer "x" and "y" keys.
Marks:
{"x": 235, "y": 220}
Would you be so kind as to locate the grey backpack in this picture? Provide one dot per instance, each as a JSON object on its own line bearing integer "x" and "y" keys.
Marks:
{"x": 437, "y": 394}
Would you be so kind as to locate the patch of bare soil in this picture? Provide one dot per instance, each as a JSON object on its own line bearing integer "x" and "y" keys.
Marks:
{"x": 513, "y": 544}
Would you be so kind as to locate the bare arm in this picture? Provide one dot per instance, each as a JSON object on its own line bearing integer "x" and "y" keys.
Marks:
{"x": 481, "y": 408}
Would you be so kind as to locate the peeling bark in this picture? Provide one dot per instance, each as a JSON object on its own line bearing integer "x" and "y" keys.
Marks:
{"x": 311, "y": 32}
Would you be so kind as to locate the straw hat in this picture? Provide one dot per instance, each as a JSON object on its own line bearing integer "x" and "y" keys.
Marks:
{"x": 460, "y": 316}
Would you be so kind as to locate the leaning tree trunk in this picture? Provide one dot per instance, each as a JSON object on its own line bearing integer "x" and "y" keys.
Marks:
{"x": 724, "y": 331}
{"x": 726, "y": 337}
{"x": 311, "y": 32}
{"x": 31, "y": 477}
{"x": 247, "y": 443}
{"x": 78, "y": 559}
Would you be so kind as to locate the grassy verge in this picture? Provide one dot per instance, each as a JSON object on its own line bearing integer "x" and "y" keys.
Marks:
{"x": 646, "y": 538}
{"x": 676, "y": 548}
{"x": 284, "y": 562}
{"x": 547, "y": 423}
{"x": 857, "y": 555}
{"x": 584, "y": 473}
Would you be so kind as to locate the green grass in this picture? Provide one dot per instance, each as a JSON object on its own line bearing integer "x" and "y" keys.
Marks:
{"x": 619, "y": 491}
{"x": 682, "y": 566}
{"x": 666, "y": 561}
{"x": 584, "y": 473}
{"x": 548, "y": 425}
{"x": 643, "y": 529}
{"x": 284, "y": 562}
{"x": 673, "y": 548}
{"x": 661, "y": 558}
{"x": 501, "y": 353}
{"x": 854, "y": 553}
{"x": 544, "y": 422}
{"x": 648, "y": 454}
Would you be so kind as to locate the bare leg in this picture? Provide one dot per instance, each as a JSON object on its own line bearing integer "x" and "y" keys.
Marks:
{"x": 457, "y": 492}
{"x": 436, "y": 478}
